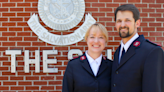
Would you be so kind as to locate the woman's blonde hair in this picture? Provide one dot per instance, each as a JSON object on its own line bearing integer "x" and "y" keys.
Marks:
{"x": 102, "y": 29}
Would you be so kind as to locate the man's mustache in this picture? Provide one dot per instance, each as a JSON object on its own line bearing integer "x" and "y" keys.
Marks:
{"x": 123, "y": 27}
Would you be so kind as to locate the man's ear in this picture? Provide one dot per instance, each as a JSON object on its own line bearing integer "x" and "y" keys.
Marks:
{"x": 138, "y": 22}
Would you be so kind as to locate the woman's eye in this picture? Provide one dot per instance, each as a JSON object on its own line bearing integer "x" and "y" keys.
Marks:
{"x": 102, "y": 37}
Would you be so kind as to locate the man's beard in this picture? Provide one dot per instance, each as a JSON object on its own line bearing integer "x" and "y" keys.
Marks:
{"x": 124, "y": 34}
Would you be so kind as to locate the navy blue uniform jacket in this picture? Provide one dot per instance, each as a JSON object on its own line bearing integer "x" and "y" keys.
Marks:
{"x": 79, "y": 77}
{"x": 141, "y": 68}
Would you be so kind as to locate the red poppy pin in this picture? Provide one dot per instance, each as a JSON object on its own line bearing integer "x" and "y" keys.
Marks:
{"x": 136, "y": 43}
{"x": 82, "y": 57}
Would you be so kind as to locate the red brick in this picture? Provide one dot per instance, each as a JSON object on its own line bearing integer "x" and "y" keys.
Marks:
{"x": 155, "y": 5}
{"x": 98, "y": 14}
{"x": 40, "y": 82}
{"x": 105, "y": 19}
{"x": 16, "y": 9}
{"x": 148, "y": 19}
{"x": 16, "y": 78}
{"x": 47, "y": 87}
{"x": 4, "y": 1}
{"x": 106, "y": 1}
{"x": 55, "y": 82}
{"x": 16, "y": 48}
{"x": 23, "y": 43}
{"x": 31, "y": 0}
{"x": 30, "y": 38}
{"x": 8, "y": 14}
{"x": 111, "y": 5}
{"x": 155, "y": 34}
{"x": 58, "y": 87}
{"x": 144, "y": 14}
{"x": 8, "y": 4}
{"x": 155, "y": 15}
{"x": 17, "y": 88}
{"x": 91, "y": 9}
{"x": 9, "y": 24}
{"x": 16, "y": 19}
{"x": 15, "y": 29}
{"x": 98, "y": 4}
{"x": 8, "y": 33}
{"x": 23, "y": 4}
{"x": 16, "y": 0}
{"x": 23, "y": 14}
{"x": 160, "y": 29}
{"x": 9, "y": 83}
{"x": 148, "y": 10}
{"x": 24, "y": 83}
{"x": 105, "y": 9}
{"x": 32, "y": 88}
{"x": 154, "y": 24}
{"x": 160, "y": 19}
{"x": 4, "y": 88}
{"x": 159, "y": 1}
{"x": 134, "y": 1}
{"x": 8, "y": 43}
{"x": 160, "y": 38}
{"x": 3, "y": 19}
{"x": 3, "y": 29}
{"x": 32, "y": 77}
{"x": 8, "y": 73}
{"x": 141, "y": 5}
{"x": 38, "y": 43}
{"x": 148, "y": 1}
{"x": 143, "y": 24}
{"x": 110, "y": 24}
{"x": 22, "y": 24}
{"x": 4, "y": 78}
{"x": 34, "y": 4}
{"x": 31, "y": 9}
{"x": 119, "y": 0}
{"x": 47, "y": 77}
{"x": 148, "y": 29}
{"x": 3, "y": 38}
{"x": 59, "y": 77}
{"x": 91, "y": 0}
{"x": 46, "y": 48}
{"x": 15, "y": 38}
{"x": 31, "y": 48}
{"x": 23, "y": 33}
{"x": 3, "y": 9}
{"x": 160, "y": 10}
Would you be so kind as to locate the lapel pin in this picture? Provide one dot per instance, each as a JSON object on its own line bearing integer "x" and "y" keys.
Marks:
{"x": 136, "y": 43}
{"x": 82, "y": 57}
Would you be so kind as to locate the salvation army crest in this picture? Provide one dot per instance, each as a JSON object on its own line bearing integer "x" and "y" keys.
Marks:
{"x": 60, "y": 15}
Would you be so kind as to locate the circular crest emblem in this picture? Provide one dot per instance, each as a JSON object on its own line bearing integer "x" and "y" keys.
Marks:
{"x": 61, "y": 14}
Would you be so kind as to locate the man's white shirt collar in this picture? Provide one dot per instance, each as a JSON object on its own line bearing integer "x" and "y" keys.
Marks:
{"x": 126, "y": 46}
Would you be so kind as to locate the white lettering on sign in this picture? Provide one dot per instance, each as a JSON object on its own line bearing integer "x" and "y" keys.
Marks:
{"x": 54, "y": 39}
{"x": 46, "y": 61}
{"x": 13, "y": 54}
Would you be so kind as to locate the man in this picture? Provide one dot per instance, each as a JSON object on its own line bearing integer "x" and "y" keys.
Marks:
{"x": 138, "y": 63}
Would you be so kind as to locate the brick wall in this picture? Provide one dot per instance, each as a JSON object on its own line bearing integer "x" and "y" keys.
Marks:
{"x": 15, "y": 34}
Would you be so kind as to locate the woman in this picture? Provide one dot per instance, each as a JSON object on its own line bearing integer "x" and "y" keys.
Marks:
{"x": 90, "y": 72}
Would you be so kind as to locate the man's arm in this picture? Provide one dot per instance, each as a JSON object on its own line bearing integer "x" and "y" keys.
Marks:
{"x": 152, "y": 73}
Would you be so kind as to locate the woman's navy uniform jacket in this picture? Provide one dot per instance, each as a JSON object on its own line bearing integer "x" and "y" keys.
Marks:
{"x": 140, "y": 70}
{"x": 79, "y": 77}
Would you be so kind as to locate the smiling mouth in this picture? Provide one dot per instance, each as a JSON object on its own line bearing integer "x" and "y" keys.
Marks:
{"x": 96, "y": 46}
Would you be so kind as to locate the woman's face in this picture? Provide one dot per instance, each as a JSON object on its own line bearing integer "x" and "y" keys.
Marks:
{"x": 95, "y": 41}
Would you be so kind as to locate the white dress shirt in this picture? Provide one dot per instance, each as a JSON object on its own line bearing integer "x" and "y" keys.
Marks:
{"x": 94, "y": 63}
{"x": 126, "y": 46}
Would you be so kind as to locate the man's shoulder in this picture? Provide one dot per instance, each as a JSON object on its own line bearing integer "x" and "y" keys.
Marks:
{"x": 151, "y": 43}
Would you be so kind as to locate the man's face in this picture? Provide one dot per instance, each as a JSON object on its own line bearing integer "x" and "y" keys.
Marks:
{"x": 126, "y": 25}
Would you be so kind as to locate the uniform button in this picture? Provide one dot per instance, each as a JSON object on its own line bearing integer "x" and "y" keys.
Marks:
{"x": 114, "y": 85}
{"x": 116, "y": 72}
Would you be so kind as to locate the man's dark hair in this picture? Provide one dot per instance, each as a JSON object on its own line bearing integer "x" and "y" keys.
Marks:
{"x": 128, "y": 7}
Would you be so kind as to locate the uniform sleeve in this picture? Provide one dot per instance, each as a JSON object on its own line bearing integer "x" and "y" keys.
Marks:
{"x": 68, "y": 79}
{"x": 152, "y": 80}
